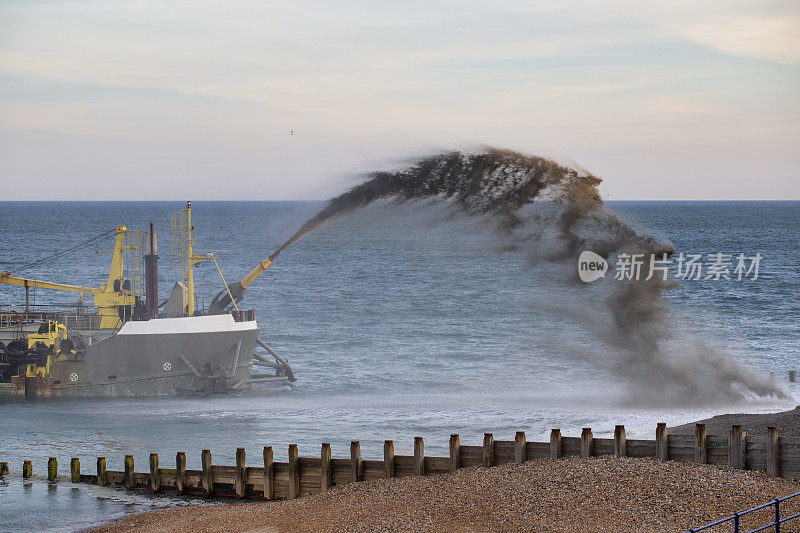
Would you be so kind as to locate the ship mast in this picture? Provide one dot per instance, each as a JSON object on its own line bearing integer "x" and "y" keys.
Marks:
{"x": 191, "y": 261}
{"x": 185, "y": 259}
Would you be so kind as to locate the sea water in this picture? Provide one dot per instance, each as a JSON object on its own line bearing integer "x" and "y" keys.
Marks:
{"x": 398, "y": 321}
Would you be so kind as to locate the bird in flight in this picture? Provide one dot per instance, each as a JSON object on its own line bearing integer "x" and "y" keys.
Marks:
{"x": 291, "y": 132}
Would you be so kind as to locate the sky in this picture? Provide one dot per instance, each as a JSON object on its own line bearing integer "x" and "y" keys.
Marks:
{"x": 665, "y": 100}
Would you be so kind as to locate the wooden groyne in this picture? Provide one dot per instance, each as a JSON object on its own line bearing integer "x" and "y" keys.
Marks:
{"x": 271, "y": 480}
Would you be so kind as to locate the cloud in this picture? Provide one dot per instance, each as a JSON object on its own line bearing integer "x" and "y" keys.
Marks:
{"x": 760, "y": 30}
{"x": 360, "y": 81}
{"x": 325, "y": 55}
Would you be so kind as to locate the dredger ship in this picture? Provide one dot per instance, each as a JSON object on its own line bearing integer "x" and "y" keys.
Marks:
{"x": 129, "y": 344}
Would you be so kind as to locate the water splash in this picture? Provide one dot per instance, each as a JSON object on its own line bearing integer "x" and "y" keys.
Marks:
{"x": 557, "y": 212}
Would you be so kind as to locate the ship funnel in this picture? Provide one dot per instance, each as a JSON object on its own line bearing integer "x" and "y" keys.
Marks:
{"x": 151, "y": 273}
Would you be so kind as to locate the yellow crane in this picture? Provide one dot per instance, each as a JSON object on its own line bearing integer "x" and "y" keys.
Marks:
{"x": 114, "y": 301}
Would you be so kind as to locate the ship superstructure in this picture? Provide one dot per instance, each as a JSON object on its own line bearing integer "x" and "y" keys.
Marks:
{"x": 127, "y": 343}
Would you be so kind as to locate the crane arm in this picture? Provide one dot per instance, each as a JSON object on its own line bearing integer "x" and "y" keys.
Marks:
{"x": 8, "y": 279}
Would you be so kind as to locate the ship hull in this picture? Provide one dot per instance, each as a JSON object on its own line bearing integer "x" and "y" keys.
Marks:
{"x": 160, "y": 357}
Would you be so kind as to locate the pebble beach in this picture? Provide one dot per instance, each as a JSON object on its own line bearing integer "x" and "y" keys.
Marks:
{"x": 571, "y": 494}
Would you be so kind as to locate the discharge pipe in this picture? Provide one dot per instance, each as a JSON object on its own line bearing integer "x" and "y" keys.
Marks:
{"x": 222, "y": 303}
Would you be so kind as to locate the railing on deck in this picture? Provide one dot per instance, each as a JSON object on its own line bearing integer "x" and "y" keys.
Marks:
{"x": 72, "y": 317}
{"x": 244, "y": 316}
{"x": 736, "y": 517}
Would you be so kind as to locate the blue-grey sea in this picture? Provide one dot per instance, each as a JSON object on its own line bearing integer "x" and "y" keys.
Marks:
{"x": 398, "y": 321}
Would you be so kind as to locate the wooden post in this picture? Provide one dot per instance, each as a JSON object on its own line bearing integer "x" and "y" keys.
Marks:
{"x": 773, "y": 462}
{"x": 269, "y": 474}
{"x": 488, "y": 449}
{"x": 520, "y": 448}
{"x": 662, "y": 442}
{"x": 736, "y": 450}
{"x": 587, "y": 442}
{"x": 128, "y": 465}
{"x": 700, "y": 446}
{"x": 155, "y": 478}
{"x": 180, "y": 472}
{"x": 555, "y": 443}
{"x": 52, "y": 469}
{"x": 241, "y": 473}
{"x": 792, "y": 376}
{"x": 27, "y": 469}
{"x": 294, "y": 473}
{"x": 75, "y": 470}
{"x": 3, "y": 469}
{"x": 388, "y": 458}
{"x": 419, "y": 457}
{"x": 207, "y": 477}
{"x": 620, "y": 441}
{"x": 455, "y": 452}
{"x": 325, "y": 475}
{"x": 355, "y": 461}
{"x": 101, "y": 470}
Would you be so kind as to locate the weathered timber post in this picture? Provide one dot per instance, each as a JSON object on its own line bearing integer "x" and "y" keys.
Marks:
{"x": 700, "y": 444}
{"x": 419, "y": 457}
{"x": 269, "y": 474}
{"x": 355, "y": 461}
{"x": 388, "y": 458}
{"x": 75, "y": 470}
{"x": 736, "y": 447}
{"x": 488, "y": 449}
{"x": 455, "y": 452}
{"x": 3, "y": 469}
{"x": 294, "y": 473}
{"x": 27, "y": 469}
{"x": 773, "y": 462}
{"x": 128, "y": 465}
{"x": 52, "y": 469}
{"x": 792, "y": 376}
{"x": 520, "y": 448}
{"x": 587, "y": 442}
{"x": 101, "y": 471}
{"x": 155, "y": 478}
{"x": 620, "y": 441}
{"x": 180, "y": 472}
{"x": 207, "y": 477}
{"x": 325, "y": 473}
{"x": 241, "y": 473}
{"x": 555, "y": 443}
{"x": 662, "y": 442}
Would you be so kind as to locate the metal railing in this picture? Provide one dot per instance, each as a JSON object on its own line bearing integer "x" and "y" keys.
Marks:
{"x": 736, "y": 517}
{"x": 72, "y": 317}
{"x": 134, "y": 243}
{"x": 181, "y": 241}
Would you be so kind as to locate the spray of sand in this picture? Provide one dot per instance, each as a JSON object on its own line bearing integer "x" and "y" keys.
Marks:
{"x": 505, "y": 185}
